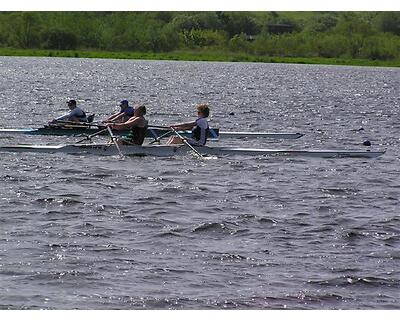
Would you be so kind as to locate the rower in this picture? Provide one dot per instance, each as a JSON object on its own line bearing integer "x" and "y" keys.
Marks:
{"x": 200, "y": 128}
{"x": 75, "y": 115}
{"x": 137, "y": 125}
{"x": 123, "y": 115}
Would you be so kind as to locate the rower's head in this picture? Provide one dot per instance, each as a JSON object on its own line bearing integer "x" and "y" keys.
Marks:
{"x": 203, "y": 110}
{"x": 124, "y": 104}
{"x": 140, "y": 111}
{"x": 71, "y": 104}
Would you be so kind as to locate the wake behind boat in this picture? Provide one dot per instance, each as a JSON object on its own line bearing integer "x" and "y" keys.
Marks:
{"x": 172, "y": 150}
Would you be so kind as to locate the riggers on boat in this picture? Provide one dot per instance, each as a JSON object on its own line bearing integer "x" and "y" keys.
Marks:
{"x": 76, "y": 130}
{"x": 172, "y": 150}
{"x": 152, "y": 132}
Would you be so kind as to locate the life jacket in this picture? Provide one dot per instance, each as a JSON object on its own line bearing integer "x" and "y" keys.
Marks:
{"x": 196, "y": 132}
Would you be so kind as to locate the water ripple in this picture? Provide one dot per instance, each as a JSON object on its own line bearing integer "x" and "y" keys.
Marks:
{"x": 95, "y": 232}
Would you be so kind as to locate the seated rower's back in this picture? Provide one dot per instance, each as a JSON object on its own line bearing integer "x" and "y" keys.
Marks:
{"x": 199, "y": 127}
{"x": 137, "y": 126}
{"x": 75, "y": 115}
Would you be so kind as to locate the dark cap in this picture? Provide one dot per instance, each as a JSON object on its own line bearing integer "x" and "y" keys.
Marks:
{"x": 71, "y": 102}
{"x": 124, "y": 102}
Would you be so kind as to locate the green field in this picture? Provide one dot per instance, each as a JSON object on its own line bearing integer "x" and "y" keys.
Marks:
{"x": 194, "y": 56}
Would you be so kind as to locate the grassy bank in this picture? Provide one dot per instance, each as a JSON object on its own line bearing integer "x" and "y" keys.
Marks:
{"x": 195, "y": 56}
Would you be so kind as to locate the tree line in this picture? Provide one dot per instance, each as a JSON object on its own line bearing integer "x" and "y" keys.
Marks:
{"x": 365, "y": 35}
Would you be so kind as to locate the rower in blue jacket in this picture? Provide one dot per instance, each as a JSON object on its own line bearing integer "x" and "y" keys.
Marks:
{"x": 123, "y": 115}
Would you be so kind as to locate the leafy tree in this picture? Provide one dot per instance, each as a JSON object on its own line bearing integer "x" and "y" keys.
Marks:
{"x": 164, "y": 16}
{"x": 209, "y": 21}
{"x": 25, "y": 28}
{"x": 322, "y": 23}
{"x": 202, "y": 38}
{"x": 185, "y": 22}
{"x": 331, "y": 45}
{"x": 239, "y": 43}
{"x": 389, "y": 22}
{"x": 199, "y": 21}
{"x": 349, "y": 23}
{"x": 237, "y": 23}
{"x": 161, "y": 40}
{"x": 379, "y": 48}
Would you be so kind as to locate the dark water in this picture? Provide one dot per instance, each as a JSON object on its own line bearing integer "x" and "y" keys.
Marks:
{"x": 89, "y": 232}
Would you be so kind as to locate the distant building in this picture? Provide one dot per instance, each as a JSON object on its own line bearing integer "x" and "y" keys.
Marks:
{"x": 251, "y": 38}
{"x": 280, "y": 28}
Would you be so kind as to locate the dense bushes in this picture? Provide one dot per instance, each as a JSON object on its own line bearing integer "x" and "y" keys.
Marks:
{"x": 368, "y": 35}
{"x": 59, "y": 39}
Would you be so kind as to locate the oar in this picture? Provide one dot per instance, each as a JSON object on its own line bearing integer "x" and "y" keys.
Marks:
{"x": 187, "y": 143}
{"x": 115, "y": 142}
{"x": 159, "y": 127}
{"x": 77, "y": 124}
{"x": 162, "y": 136}
{"x": 89, "y": 137}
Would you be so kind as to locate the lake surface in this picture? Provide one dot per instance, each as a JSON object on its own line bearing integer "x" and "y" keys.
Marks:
{"x": 92, "y": 232}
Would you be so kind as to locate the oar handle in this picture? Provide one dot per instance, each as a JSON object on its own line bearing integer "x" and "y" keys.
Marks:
{"x": 159, "y": 127}
{"x": 89, "y": 137}
{"x": 157, "y": 139}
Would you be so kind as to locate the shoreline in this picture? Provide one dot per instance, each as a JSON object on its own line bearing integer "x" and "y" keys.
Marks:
{"x": 215, "y": 56}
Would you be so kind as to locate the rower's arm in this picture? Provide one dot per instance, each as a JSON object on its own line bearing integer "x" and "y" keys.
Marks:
{"x": 134, "y": 121}
{"x": 114, "y": 117}
{"x": 65, "y": 117}
{"x": 184, "y": 126}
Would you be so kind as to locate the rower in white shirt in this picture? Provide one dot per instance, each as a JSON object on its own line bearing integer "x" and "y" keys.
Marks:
{"x": 75, "y": 115}
{"x": 199, "y": 127}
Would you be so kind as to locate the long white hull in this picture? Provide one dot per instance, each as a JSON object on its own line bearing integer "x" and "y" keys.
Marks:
{"x": 152, "y": 133}
{"x": 171, "y": 150}
{"x": 269, "y": 135}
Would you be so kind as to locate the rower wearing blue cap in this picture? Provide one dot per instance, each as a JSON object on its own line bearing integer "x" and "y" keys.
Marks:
{"x": 123, "y": 115}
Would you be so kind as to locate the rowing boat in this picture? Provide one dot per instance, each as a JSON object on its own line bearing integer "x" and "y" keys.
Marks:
{"x": 154, "y": 133}
{"x": 171, "y": 150}
{"x": 85, "y": 130}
